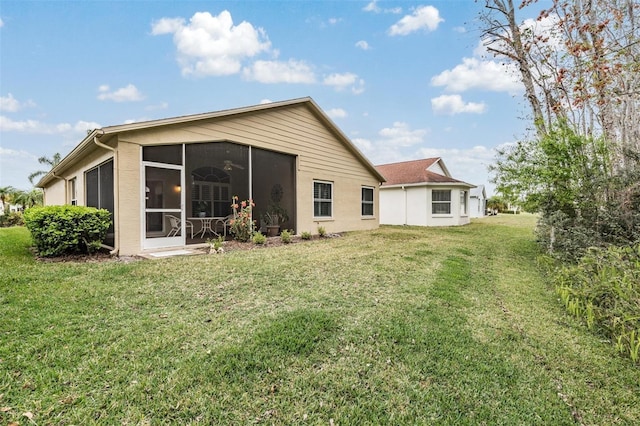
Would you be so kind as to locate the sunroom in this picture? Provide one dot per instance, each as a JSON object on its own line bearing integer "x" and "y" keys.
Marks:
{"x": 189, "y": 188}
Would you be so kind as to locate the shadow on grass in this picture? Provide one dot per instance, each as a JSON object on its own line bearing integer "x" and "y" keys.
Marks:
{"x": 274, "y": 345}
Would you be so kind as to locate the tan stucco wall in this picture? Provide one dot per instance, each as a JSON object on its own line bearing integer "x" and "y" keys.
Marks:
{"x": 128, "y": 203}
{"x": 55, "y": 193}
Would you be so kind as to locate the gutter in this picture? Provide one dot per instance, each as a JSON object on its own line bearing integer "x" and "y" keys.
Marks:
{"x": 116, "y": 187}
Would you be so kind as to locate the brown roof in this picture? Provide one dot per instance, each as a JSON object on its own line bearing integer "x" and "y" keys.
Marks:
{"x": 413, "y": 172}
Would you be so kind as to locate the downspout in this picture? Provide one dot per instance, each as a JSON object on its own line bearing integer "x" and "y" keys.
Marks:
{"x": 116, "y": 188}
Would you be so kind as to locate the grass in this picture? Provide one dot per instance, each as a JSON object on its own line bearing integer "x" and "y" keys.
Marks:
{"x": 400, "y": 325}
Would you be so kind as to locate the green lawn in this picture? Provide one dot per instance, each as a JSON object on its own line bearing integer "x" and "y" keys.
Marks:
{"x": 401, "y": 325}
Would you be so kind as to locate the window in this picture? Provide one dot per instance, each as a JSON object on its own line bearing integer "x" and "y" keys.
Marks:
{"x": 367, "y": 201}
{"x": 322, "y": 199}
{"x": 441, "y": 201}
{"x": 463, "y": 203}
{"x": 73, "y": 198}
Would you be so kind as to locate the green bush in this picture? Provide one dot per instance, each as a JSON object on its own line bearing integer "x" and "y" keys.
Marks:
{"x": 321, "y": 231}
{"x": 11, "y": 219}
{"x": 285, "y": 236}
{"x": 306, "y": 235}
{"x": 259, "y": 238}
{"x": 603, "y": 289}
{"x": 59, "y": 230}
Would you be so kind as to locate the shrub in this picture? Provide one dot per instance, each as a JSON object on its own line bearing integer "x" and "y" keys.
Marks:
{"x": 321, "y": 231}
{"x": 285, "y": 236}
{"x": 305, "y": 235}
{"x": 215, "y": 245}
{"x": 259, "y": 238}
{"x": 11, "y": 219}
{"x": 242, "y": 224}
{"x": 58, "y": 230}
{"x": 603, "y": 289}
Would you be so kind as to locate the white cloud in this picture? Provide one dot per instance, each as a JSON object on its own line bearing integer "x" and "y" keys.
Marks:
{"x": 337, "y": 113}
{"x": 344, "y": 80}
{"x": 167, "y": 26}
{"x": 1, "y": 23}
{"x": 423, "y": 18}
{"x": 365, "y": 145}
{"x": 334, "y": 21}
{"x": 373, "y": 7}
{"x": 401, "y": 135}
{"x": 473, "y": 73}
{"x": 340, "y": 80}
{"x": 362, "y": 44}
{"x": 265, "y": 101}
{"x": 291, "y": 71}
{"x": 212, "y": 45}
{"x": 129, "y": 93}
{"x": 38, "y": 127}
{"x": 453, "y": 104}
{"x": 10, "y": 104}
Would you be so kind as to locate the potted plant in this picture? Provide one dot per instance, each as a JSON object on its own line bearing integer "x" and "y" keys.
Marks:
{"x": 202, "y": 208}
{"x": 273, "y": 217}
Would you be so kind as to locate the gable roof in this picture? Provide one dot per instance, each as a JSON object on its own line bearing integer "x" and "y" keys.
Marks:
{"x": 478, "y": 191}
{"x": 88, "y": 143}
{"x": 418, "y": 172}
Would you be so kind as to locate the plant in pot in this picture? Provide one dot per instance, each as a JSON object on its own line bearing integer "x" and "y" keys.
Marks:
{"x": 202, "y": 208}
{"x": 273, "y": 217}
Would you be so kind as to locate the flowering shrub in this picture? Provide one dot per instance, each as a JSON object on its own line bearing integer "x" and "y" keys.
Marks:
{"x": 242, "y": 224}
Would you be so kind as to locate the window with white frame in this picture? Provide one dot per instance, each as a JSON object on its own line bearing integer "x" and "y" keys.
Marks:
{"x": 441, "y": 201}
{"x": 463, "y": 203}
{"x": 73, "y": 198}
{"x": 322, "y": 199}
{"x": 367, "y": 201}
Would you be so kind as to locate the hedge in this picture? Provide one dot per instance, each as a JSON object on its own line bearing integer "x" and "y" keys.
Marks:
{"x": 60, "y": 230}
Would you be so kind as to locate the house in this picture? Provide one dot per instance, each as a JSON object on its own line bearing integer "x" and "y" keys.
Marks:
{"x": 169, "y": 183}
{"x": 422, "y": 193}
{"x": 478, "y": 201}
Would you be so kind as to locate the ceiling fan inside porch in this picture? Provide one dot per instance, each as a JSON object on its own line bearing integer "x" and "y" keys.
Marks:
{"x": 229, "y": 165}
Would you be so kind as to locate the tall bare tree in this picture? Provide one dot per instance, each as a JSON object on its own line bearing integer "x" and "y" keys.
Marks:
{"x": 579, "y": 62}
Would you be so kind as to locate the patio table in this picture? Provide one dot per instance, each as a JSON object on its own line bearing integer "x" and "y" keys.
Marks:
{"x": 206, "y": 223}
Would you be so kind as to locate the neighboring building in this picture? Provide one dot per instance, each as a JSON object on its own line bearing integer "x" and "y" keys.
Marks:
{"x": 478, "y": 201}
{"x": 148, "y": 174}
{"x": 422, "y": 193}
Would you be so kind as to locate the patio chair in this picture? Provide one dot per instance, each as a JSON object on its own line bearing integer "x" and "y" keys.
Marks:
{"x": 222, "y": 224}
{"x": 176, "y": 226}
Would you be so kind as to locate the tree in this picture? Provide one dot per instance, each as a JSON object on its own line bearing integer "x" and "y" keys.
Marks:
{"x": 579, "y": 62}
{"x": 504, "y": 37}
{"x": 52, "y": 162}
{"x": 6, "y": 194}
{"x": 29, "y": 199}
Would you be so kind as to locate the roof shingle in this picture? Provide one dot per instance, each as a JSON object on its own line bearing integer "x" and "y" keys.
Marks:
{"x": 412, "y": 172}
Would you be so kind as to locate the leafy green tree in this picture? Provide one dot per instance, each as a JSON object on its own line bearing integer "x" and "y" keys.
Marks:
{"x": 6, "y": 194}
{"x": 560, "y": 172}
{"x": 29, "y": 199}
{"x": 497, "y": 203}
{"x": 52, "y": 162}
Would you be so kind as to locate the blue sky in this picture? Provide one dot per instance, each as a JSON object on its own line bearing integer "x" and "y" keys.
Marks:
{"x": 404, "y": 80}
